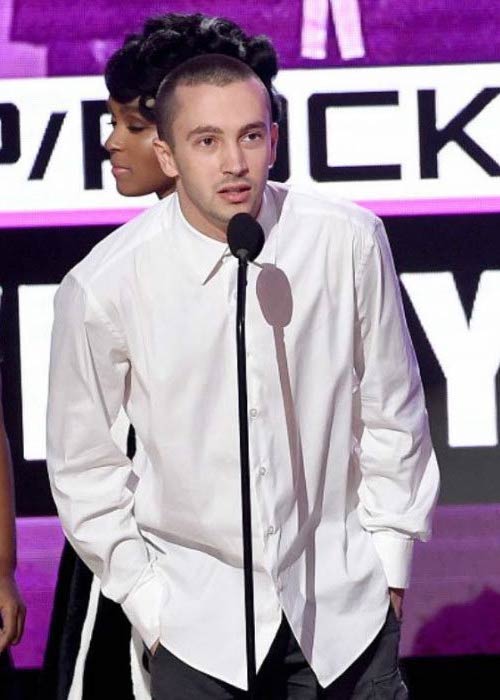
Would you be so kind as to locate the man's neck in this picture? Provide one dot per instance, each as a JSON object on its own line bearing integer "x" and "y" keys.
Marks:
{"x": 207, "y": 228}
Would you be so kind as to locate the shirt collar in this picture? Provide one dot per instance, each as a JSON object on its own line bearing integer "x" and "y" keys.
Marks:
{"x": 206, "y": 255}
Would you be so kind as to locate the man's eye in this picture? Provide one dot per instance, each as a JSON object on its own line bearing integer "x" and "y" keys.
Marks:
{"x": 253, "y": 136}
{"x": 134, "y": 129}
{"x": 112, "y": 122}
{"x": 207, "y": 141}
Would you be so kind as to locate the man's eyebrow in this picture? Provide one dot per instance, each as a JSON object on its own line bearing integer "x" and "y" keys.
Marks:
{"x": 204, "y": 129}
{"x": 253, "y": 125}
{"x": 208, "y": 129}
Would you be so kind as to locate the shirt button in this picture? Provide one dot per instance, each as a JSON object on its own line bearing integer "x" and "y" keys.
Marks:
{"x": 279, "y": 585}
{"x": 271, "y": 530}
{"x": 253, "y": 412}
{"x": 262, "y": 471}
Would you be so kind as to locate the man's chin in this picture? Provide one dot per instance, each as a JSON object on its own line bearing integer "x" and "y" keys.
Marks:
{"x": 239, "y": 208}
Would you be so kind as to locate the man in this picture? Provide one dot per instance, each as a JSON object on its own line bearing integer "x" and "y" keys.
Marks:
{"x": 88, "y": 624}
{"x": 343, "y": 473}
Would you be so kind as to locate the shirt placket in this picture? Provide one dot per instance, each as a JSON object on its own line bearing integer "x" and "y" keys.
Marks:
{"x": 265, "y": 526}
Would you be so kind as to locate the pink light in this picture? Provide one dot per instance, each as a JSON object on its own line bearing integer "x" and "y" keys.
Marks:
{"x": 428, "y": 207}
{"x": 77, "y": 217}
{"x": 39, "y": 546}
{"x": 382, "y": 207}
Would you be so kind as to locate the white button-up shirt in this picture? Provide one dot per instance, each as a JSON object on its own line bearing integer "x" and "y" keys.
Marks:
{"x": 342, "y": 469}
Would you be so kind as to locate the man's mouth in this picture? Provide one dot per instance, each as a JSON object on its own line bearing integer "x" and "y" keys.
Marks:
{"x": 236, "y": 194}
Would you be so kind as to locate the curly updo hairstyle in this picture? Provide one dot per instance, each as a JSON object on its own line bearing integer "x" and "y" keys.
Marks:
{"x": 137, "y": 69}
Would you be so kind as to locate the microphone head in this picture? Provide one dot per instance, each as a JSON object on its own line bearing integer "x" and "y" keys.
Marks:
{"x": 245, "y": 236}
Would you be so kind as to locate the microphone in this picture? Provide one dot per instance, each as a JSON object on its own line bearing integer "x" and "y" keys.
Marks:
{"x": 245, "y": 237}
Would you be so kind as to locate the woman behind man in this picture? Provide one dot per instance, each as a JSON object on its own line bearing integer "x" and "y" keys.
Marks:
{"x": 134, "y": 73}
{"x": 90, "y": 633}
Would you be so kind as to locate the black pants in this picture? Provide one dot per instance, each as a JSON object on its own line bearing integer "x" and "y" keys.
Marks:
{"x": 286, "y": 675}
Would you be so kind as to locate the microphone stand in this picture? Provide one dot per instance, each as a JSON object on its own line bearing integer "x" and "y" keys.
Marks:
{"x": 245, "y": 474}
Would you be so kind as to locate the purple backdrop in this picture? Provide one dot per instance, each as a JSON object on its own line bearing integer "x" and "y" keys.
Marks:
{"x": 76, "y": 38}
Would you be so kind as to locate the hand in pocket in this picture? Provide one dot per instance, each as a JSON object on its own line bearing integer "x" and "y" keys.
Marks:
{"x": 396, "y": 596}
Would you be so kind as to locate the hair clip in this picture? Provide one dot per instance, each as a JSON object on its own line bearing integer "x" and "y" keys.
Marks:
{"x": 150, "y": 102}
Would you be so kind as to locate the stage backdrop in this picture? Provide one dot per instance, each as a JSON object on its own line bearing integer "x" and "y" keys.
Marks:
{"x": 392, "y": 103}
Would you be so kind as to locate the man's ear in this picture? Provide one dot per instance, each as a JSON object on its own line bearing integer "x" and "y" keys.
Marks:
{"x": 274, "y": 143}
{"x": 165, "y": 156}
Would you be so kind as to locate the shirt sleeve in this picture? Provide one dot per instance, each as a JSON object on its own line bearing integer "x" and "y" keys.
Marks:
{"x": 400, "y": 478}
{"x": 88, "y": 472}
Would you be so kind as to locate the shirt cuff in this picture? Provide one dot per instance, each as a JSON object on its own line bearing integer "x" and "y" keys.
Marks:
{"x": 143, "y": 604}
{"x": 395, "y": 553}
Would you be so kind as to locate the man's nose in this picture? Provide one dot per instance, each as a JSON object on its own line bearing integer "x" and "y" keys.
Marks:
{"x": 234, "y": 161}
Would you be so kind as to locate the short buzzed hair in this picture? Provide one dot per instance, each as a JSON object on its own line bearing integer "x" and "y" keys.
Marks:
{"x": 209, "y": 69}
